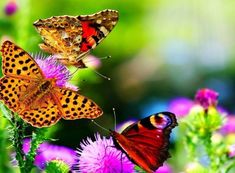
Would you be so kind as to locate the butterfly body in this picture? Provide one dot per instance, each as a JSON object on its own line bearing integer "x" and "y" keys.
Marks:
{"x": 70, "y": 38}
{"x": 37, "y": 99}
{"x": 146, "y": 142}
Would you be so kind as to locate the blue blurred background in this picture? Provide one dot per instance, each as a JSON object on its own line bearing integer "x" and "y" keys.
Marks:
{"x": 160, "y": 50}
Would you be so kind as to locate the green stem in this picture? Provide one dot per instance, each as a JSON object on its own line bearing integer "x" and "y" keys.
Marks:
{"x": 38, "y": 137}
{"x": 18, "y": 136}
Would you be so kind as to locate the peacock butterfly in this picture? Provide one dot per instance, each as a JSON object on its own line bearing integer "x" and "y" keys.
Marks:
{"x": 146, "y": 142}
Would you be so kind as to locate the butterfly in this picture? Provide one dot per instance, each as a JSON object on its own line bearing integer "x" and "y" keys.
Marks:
{"x": 36, "y": 99}
{"x": 70, "y": 38}
{"x": 146, "y": 142}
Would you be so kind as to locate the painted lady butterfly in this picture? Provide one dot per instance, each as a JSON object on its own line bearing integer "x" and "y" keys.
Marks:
{"x": 72, "y": 37}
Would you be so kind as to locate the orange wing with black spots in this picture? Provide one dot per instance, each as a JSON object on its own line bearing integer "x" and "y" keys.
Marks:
{"x": 18, "y": 63}
{"x": 72, "y": 37}
{"x": 36, "y": 99}
{"x": 76, "y": 106}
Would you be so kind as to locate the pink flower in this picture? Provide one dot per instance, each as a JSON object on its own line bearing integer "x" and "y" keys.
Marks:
{"x": 180, "y": 106}
{"x": 206, "y": 98}
{"x": 164, "y": 169}
{"x": 48, "y": 152}
{"x": 229, "y": 126}
{"x": 52, "y": 69}
{"x": 231, "y": 151}
{"x": 100, "y": 156}
{"x": 11, "y": 7}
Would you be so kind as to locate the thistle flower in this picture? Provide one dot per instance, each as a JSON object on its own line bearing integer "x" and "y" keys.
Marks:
{"x": 100, "y": 156}
{"x": 48, "y": 152}
{"x": 180, "y": 106}
{"x": 11, "y": 7}
{"x": 52, "y": 69}
{"x": 229, "y": 126}
{"x": 206, "y": 98}
{"x": 164, "y": 169}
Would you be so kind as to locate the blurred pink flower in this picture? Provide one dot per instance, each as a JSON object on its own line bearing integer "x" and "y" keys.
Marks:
{"x": 48, "y": 152}
{"x": 231, "y": 151}
{"x": 180, "y": 106}
{"x": 229, "y": 126}
{"x": 164, "y": 169}
{"x": 100, "y": 156}
{"x": 92, "y": 61}
{"x": 11, "y": 7}
{"x": 206, "y": 98}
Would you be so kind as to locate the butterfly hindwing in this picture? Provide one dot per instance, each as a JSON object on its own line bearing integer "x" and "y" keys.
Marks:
{"x": 76, "y": 106}
{"x": 146, "y": 142}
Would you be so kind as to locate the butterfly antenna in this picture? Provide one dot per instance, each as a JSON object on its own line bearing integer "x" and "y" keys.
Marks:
{"x": 115, "y": 119}
{"x": 74, "y": 72}
{"x": 103, "y": 76}
{"x": 99, "y": 125}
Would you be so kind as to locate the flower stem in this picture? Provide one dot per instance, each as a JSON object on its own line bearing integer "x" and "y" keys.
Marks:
{"x": 38, "y": 137}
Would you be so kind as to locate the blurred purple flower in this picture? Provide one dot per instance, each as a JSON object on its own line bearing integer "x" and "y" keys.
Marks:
{"x": 100, "y": 156}
{"x": 231, "y": 151}
{"x": 52, "y": 69}
{"x": 229, "y": 126}
{"x": 180, "y": 106}
{"x": 48, "y": 152}
{"x": 164, "y": 169}
{"x": 92, "y": 61}
{"x": 11, "y": 7}
{"x": 206, "y": 97}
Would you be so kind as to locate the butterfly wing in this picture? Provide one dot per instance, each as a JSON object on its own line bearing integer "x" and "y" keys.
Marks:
{"x": 72, "y": 37}
{"x": 18, "y": 64}
{"x": 75, "y": 106}
{"x": 146, "y": 142}
{"x": 44, "y": 113}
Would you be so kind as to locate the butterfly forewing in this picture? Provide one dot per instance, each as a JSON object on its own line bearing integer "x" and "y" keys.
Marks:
{"x": 16, "y": 62}
{"x": 38, "y": 100}
{"x": 146, "y": 142}
{"x": 72, "y": 37}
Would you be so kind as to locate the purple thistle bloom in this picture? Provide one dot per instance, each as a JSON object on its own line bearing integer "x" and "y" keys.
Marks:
{"x": 206, "y": 98}
{"x": 180, "y": 106}
{"x": 48, "y": 152}
{"x": 52, "y": 69}
{"x": 164, "y": 169}
{"x": 11, "y": 7}
{"x": 100, "y": 156}
{"x": 229, "y": 126}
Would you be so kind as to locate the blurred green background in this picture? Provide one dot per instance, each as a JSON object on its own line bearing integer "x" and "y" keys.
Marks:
{"x": 160, "y": 50}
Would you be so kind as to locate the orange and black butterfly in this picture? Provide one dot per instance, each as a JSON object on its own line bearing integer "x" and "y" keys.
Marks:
{"x": 38, "y": 100}
{"x": 72, "y": 37}
{"x": 146, "y": 142}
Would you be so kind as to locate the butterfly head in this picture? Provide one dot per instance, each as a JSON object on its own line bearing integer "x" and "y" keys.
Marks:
{"x": 163, "y": 120}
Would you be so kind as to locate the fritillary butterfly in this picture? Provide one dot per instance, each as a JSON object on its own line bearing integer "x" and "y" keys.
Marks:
{"x": 37, "y": 100}
{"x": 72, "y": 37}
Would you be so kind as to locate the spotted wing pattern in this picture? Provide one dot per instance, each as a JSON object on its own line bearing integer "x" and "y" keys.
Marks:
{"x": 72, "y": 37}
{"x": 23, "y": 93}
{"x": 76, "y": 106}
